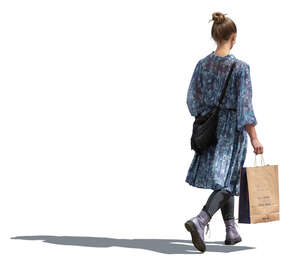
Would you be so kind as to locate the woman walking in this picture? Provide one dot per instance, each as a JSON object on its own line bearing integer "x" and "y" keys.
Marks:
{"x": 218, "y": 167}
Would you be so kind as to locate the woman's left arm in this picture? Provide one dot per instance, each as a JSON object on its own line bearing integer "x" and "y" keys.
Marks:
{"x": 191, "y": 101}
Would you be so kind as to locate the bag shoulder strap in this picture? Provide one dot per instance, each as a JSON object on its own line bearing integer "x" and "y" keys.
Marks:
{"x": 226, "y": 84}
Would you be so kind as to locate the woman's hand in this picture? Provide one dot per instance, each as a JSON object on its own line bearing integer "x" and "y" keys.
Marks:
{"x": 257, "y": 146}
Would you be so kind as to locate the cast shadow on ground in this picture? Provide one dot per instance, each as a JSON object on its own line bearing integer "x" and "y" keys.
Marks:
{"x": 166, "y": 246}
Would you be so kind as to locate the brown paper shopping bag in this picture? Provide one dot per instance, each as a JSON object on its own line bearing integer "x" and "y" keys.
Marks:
{"x": 259, "y": 193}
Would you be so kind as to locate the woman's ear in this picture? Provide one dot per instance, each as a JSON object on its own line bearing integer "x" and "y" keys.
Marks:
{"x": 233, "y": 38}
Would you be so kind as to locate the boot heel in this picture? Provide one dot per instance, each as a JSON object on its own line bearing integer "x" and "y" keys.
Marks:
{"x": 232, "y": 242}
{"x": 196, "y": 239}
{"x": 190, "y": 226}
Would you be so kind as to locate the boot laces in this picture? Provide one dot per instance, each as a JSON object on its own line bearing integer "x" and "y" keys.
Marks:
{"x": 236, "y": 223}
{"x": 207, "y": 229}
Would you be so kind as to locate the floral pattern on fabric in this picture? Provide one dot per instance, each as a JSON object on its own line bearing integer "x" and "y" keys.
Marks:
{"x": 219, "y": 166}
{"x": 245, "y": 113}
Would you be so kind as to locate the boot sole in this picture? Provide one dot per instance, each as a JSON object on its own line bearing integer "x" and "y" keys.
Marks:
{"x": 232, "y": 242}
{"x": 196, "y": 239}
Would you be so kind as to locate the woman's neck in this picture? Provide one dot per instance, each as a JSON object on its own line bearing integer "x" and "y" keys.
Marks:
{"x": 222, "y": 52}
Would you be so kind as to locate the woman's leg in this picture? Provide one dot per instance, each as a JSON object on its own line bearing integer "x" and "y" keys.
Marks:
{"x": 218, "y": 199}
{"x": 228, "y": 209}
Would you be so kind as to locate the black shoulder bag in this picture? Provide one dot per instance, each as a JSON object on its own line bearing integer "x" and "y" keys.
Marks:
{"x": 205, "y": 127}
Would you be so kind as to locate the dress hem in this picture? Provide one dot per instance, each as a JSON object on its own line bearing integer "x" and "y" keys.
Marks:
{"x": 234, "y": 193}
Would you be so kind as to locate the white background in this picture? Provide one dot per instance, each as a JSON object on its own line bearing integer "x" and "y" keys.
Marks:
{"x": 95, "y": 131}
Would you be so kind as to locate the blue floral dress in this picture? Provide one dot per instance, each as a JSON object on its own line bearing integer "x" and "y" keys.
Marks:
{"x": 219, "y": 166}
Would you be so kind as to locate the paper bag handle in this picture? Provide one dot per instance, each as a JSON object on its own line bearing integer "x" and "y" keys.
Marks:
{"x": 262, "y": 161}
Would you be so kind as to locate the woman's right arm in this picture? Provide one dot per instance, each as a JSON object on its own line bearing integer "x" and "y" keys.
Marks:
{"x": 245, "y": 114}
{"x": 257, "y": 146}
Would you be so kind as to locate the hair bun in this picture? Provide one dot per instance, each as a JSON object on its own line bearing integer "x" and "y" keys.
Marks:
{"x": 218, "y": 17}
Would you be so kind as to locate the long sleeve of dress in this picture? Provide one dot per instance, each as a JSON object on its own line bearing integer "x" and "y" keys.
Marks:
{"x": 245, "y": 112}
{"x": 191, "y": 101}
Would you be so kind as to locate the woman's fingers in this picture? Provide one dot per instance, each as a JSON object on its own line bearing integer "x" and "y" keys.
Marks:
{"x": 258, "y": 149}
{"x": 261, "y": 150}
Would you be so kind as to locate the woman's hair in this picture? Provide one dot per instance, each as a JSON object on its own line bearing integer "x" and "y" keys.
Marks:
{"x": 222, "y": 27}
